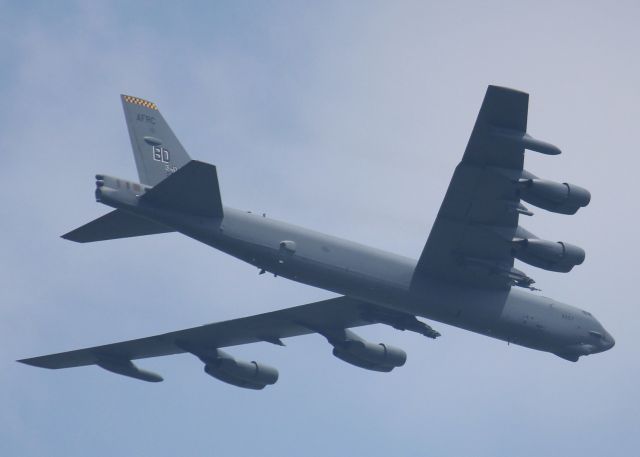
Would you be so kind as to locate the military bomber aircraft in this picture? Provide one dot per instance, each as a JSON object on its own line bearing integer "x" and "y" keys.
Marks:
{"x": 465, "y": 275}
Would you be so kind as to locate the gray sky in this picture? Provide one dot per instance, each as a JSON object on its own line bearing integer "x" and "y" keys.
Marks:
{"x": 347, "y": 117}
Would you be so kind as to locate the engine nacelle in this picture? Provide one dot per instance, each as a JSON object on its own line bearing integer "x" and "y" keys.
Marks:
{"x": 250, "y": 375}
{"x": 549, "y": 255}
{"x": 376, "y": 357}
{"x": 563, "y": 198}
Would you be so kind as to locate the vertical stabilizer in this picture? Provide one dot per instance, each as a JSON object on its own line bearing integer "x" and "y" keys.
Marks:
{"x": 157, "y": 151}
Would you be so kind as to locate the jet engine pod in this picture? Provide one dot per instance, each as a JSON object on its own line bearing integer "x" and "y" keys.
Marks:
{"x": 376, "y": 357}
{"x": 563, "y": 198}
{"x": 553, "y": 256}
{"x": 249, "y": 375}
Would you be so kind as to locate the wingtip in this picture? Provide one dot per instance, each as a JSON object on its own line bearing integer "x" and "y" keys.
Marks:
{"x": 30, "y": 362}
{"x": 69, "y": 237}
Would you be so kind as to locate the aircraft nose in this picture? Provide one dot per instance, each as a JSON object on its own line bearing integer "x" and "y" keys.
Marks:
{"x": 606, "y": 341}
{"x": 610, "y": 341}
{"x": 603, "y": 341}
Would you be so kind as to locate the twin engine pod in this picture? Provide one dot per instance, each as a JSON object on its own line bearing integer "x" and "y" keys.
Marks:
{"x": 224, "y": 367}
{"x": 553, "y": 256}
{"x": 563, "y": 198}
{"x": 250, "y": 375}
{"x": 347, "y": 346}
{"x": 376, "y": 357}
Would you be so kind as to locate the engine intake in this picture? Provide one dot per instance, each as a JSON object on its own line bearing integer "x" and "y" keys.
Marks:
{"x": 563, "y": 198}
{"x": 553, "y": 256}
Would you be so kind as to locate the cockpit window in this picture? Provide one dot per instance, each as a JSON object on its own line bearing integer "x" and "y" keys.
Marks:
{"x": 587, "y": 313}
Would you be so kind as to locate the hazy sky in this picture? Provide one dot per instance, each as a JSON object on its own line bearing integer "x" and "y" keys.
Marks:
{"x": 347, "y": 117}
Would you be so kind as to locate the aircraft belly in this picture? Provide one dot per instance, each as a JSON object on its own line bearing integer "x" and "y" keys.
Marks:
{"x": 375, "y": 276}
{"x": 312, "y": 258}
{"x": 493, "y": 313}
{"x": 342, "y": 279}
{"x": 542, "y": 323}
{"x": 502, "y": 314}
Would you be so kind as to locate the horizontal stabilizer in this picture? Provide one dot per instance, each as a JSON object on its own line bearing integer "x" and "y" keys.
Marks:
{"x": 113, "y": 225}
{"x": 193, "y": 189}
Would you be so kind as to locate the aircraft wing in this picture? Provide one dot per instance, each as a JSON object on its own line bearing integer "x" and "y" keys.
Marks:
{"x": 471, "y": 240}
{"x": 325, "y": 317}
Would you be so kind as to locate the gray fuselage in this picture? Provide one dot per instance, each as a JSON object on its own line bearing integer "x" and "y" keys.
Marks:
{"x": 387, "y": 279}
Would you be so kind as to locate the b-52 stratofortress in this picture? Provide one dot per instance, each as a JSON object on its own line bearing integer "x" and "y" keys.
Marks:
{"x": 465, "y": 275}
